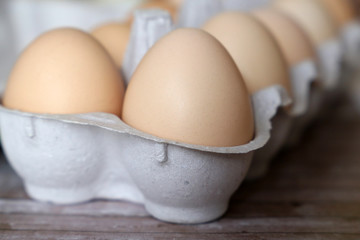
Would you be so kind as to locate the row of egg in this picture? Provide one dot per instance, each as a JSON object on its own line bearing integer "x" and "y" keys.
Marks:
{"x": 319, "y": 21}
{"x": 193, "y": 86}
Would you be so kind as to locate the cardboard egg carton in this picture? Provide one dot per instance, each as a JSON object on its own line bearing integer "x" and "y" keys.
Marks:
{"x": 301, "y": 75}
{"x": 309, "y": 101}
{"x": 351, "y": 44}
{"x": 285, "y": 123}
{"x": 350, "y": 36}
{"x": 67, "y": 159}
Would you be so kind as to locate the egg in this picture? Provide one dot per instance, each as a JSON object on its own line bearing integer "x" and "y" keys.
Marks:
{"x": 342, "y": 11}
{"x": 114, "y": 37}
{"x": 253, "y": 48}
{"x": 293, "y": 41}
{"x": 176, "y": 3}
{"x": 188, "y": 89}
{"x": 312, "y": 17}
{"x": 65, "y": 71}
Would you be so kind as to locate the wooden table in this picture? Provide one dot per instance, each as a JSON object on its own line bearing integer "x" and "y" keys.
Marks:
{"x": 311, "y": 192}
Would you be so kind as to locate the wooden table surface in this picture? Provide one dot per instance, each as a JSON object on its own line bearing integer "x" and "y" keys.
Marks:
{"x": 311, "y": 192}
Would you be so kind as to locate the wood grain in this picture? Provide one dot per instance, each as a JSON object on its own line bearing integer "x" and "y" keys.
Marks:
{"x": 54, "y": 235}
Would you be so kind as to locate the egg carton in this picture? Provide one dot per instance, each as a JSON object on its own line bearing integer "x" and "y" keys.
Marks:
{"x": 336, "y": 60}
{"x": 245, "y": 5}
{"x": 330, "y": 55}
{"x": 309, "y": 98}
{"x": 301, "y": 123}
{"x": 351, "y": 43}
{"x": 67, "y": 159}
{"x": 350, "y": 36}
{"x": 319, "y": 90}
{"x": 353, "y": 91}
{"x": 284, "y": 124}
{"x": 302, "y": 75}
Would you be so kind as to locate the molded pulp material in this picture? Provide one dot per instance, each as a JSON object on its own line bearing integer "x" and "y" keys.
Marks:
{"x": 148, "y": 27}
{"x": 302, "y": 75}
{"x": 330, "y": 56}
{"x": 75, "y": 158}
{"x": 351, "y": 43}
{"x": 316, "y": 101}
{"x": 196, "y": 13}
{"x": 245, "y": 5}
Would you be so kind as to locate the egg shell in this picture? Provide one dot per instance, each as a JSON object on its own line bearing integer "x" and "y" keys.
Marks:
{"x": 312, "y": 17}
{"x": 114, "y": 37}
{"x": 65, "y": 71}
{"x": 253, "y": 49}
{"x": 176, "y": 3}
{"x": 342, "y": 11}
{"x": 322, "y": 30}
{"x": 199, "y": 98}
{"x": 292, "y": 39}
{"x": 300, "y": 56}
{"x": 303, "y": 72}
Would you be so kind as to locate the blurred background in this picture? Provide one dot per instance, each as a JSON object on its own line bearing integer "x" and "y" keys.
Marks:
{"x": 21, "y": 21}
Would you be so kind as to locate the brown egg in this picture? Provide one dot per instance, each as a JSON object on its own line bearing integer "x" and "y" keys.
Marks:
{"x": 65, "y": 71}
{"x": 253, "y": 48}
{"x": 176, "y": 3}
{"x": 312, "y": 17}
{"x": 293, "y": 41}
{"x": 157, "y": 4}
{"x": 114, "y": 37}
{"x": 188, "y": 89}
{"x": 342, "y": 11}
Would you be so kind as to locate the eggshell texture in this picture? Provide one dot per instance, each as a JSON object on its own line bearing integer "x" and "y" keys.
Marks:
{"x": 293, "y": 41}
{"x": 312, "y": 17}
{"x": 65, "y": 71}
{"x": 253, "y": 48}
{"x": 160, "y": 4}
{"x": 342, "y": 11}
{"x": 176, "y": 3}
{"x": 188, "y": 89}
{"x": 114, "y": 37}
